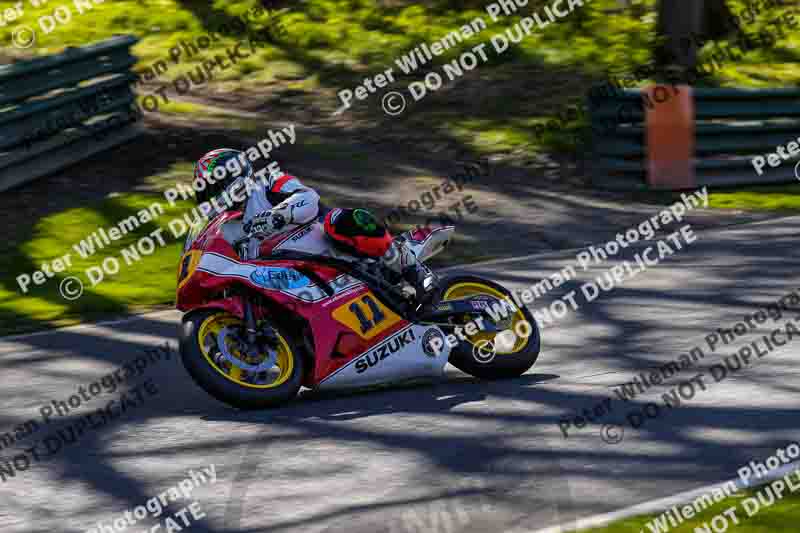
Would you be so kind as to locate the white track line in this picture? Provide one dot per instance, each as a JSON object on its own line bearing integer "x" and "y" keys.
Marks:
{"x": 662, "y": 504}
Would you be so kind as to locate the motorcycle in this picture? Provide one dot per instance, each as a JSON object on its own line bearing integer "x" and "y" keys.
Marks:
{"x": 306, "y": 314}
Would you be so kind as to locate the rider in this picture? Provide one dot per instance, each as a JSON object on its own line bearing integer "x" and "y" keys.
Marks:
{"x": 281, "y": 204}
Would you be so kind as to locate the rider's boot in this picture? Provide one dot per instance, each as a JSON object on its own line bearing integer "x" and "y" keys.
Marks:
{"x": 403, "y": 263}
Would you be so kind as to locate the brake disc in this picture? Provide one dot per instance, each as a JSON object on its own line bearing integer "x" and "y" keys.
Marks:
{"x": 266, "y": 364}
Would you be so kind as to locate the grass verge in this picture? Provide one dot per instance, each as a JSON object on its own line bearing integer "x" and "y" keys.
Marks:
{"x": 751, "y": 509}
{"x": 767, "y": 198}
{"x": 138, "y": 284}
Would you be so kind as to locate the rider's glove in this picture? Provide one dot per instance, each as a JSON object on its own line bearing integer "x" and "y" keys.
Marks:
{"x": 265, "y": 223}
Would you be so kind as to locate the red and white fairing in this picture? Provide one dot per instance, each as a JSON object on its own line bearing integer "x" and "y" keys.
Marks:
{"x": 357, "y": 340}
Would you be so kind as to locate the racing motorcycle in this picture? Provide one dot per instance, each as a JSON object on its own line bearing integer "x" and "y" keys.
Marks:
{"x": 307, "y": 314}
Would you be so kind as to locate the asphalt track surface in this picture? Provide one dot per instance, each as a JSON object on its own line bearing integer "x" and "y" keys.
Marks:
{"x": 459, "y": 455}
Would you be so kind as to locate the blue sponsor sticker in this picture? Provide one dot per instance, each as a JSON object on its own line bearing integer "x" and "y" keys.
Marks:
{"x": 279, "y": 278}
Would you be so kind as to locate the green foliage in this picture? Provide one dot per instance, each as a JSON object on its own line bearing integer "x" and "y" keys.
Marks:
{"x": 780, "y": 517}
{"x": 368, "y": 35}
{"x": 144, "y": 283}
{"x": 772, "y": 198}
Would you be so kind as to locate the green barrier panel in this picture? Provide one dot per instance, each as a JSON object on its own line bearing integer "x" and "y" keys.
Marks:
{"x": 60, "y": 109}
{"x": 617, "y": 147}
{"x": 732, "y": 127}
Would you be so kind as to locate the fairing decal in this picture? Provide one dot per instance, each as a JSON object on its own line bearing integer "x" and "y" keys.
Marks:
{"x": 221, "y": 266}
{"x": 402, "y": 355}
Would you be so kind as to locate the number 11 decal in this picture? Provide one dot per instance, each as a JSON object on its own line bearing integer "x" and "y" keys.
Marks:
{"x": 377, "y": 314}
{"x": 366, "y": 315}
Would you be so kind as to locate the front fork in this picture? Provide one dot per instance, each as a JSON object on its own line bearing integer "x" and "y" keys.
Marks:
{"x": 251, "y": 327}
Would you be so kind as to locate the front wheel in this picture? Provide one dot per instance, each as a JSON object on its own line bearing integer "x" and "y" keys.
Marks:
{"x": 214, "y": 353}
{"x": 506, "y": 353}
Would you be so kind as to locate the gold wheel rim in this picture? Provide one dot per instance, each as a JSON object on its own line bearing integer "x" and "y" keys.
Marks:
{"x": 208, "y": 339}
{"x": 471, "y": 288}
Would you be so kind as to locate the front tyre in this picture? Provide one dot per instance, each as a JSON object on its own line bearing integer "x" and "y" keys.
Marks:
{"x": 501, "y": 354}
{"x": 212, "y": 350}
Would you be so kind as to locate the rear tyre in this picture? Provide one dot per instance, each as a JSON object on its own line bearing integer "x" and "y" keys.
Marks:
{"x": 493, "y": 355}
{"x": 223, "y": 371}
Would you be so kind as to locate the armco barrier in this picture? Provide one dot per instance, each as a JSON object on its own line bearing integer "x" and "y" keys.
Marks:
{"x": 60, "y": 109}
{"x": 692, "y": 137}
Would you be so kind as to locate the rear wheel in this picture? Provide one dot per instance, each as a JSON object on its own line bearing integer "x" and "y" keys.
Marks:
{"x": 213, "y": 352}
{"x": 507, "y": 353}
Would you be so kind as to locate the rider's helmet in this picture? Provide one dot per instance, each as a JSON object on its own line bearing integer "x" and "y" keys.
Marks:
{"x": 220, "y": 170}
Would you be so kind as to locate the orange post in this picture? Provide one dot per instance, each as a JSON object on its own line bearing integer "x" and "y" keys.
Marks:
{"x": 670, "y": 136}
